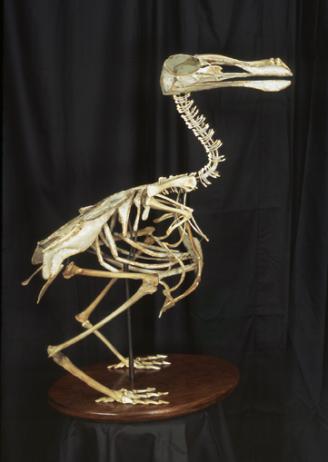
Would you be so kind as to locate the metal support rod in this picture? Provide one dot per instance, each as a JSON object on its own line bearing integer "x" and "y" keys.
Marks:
{"x": 128, "y": 315}
{"x": 130, "y": 339}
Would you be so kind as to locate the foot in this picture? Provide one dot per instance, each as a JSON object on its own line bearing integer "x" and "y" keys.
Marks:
{"x": 145, "y": 396}
{"x": 155, "y": 363}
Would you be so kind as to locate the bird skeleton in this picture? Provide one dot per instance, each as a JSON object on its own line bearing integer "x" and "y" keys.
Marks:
{"x": 123, "y": 230}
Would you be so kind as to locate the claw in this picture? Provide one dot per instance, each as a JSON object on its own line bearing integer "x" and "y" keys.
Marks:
{"x": 157, "y": 357}
{"x": 145, "y": 390}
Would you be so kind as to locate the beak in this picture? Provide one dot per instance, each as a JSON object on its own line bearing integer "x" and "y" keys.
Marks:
{"x": 187, "y": 73}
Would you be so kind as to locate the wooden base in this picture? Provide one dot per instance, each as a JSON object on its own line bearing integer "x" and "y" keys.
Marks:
{"x": 194, "y": 382}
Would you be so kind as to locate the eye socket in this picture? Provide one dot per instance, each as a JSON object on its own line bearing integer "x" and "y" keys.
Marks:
{"x": 182, "y": 64}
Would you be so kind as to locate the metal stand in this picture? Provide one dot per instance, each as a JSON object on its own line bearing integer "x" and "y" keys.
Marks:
{"x": 128, "y": 315}
{"x": 130, "y": 339}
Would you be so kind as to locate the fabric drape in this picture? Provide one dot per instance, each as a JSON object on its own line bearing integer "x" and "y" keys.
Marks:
{"x": 201, "y": 435}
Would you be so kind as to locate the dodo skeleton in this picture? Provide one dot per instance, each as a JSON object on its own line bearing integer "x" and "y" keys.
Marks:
{"x": 125, "y": 230}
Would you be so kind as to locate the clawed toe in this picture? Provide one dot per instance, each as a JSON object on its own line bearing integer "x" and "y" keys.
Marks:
{"x": 139, "y": 396}
{"x": 144, "y": 396}
{"x": 155, "y": 362}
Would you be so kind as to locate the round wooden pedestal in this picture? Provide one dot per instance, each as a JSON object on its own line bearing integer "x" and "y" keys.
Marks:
{"x": 194, "y": 382}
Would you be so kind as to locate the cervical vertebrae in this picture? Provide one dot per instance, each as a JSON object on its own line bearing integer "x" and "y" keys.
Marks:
{"x": 197, "y": 123}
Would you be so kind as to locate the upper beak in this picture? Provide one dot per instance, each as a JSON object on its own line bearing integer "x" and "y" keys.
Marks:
{"x": 186, "y": 73}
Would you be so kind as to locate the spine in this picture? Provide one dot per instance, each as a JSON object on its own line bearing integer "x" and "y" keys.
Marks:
{"x": 197, "y": 123}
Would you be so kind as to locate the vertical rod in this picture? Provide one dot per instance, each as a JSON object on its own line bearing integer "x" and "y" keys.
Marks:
{"x": 128, "y": 314}
{"x": 130, "y": 339}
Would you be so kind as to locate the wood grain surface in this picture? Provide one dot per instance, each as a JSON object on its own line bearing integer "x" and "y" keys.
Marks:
{"x": 194, "y": 382}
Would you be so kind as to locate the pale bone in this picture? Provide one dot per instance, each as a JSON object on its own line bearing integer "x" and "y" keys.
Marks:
{"x": 110, "y": 346}
{"x": 148, "y": 286}
{"x": 183, "y": 73}
{"x": 146, "y": 362}
{"x": 94, "y": 229}
{"x": 86, "y": 313}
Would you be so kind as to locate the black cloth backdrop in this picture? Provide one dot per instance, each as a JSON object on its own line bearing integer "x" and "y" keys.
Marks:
{"x": 84, "y": 117}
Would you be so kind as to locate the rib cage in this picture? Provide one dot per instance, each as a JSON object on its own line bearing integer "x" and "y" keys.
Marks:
{"x": 197, "y": 123}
